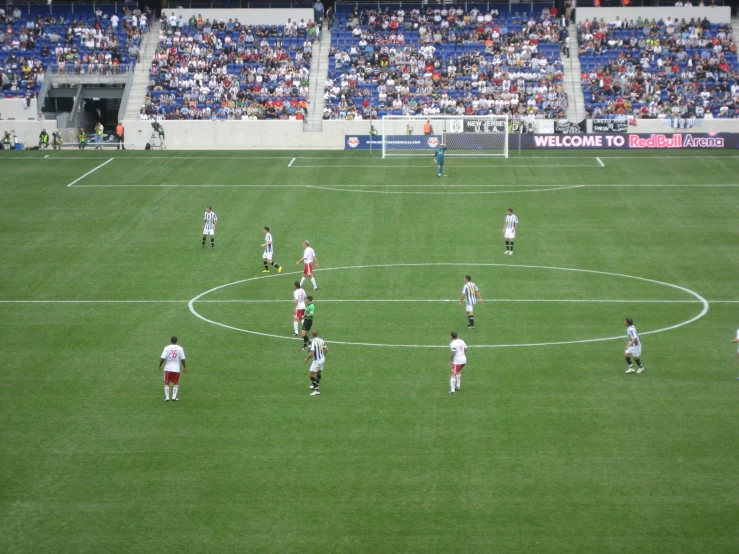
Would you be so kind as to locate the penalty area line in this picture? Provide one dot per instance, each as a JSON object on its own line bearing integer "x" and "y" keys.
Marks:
{"x": 291, "y": 162}
{"x": 91, "y": 172}
{"x": 600, "y": 162}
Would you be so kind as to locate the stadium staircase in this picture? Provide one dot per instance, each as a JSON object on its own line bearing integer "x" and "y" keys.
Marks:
{"x": 572, "y": 80}
{"x": 135, "y": 98}
{"x": 318, "y": 74}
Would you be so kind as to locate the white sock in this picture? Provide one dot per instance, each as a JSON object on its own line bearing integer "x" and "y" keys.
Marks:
{"x": 174, "y": 391}
{"x": 295, "y": 327}
{"x": 301, "y": 281}
{"x": 454, "y": 382}
{"x": 166, "y": 392}
{"x": 312, "y": 280}
{"x": 459, "y": 380}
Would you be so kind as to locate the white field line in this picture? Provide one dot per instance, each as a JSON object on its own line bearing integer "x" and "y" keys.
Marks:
{"x": 350, "y": 301}
{"x": 90, "y": 172}
{"x": 465, "y": 166}
{"x": 443, "y": 192}
{"x": 600, "y": 162}
{"x": 601, "y": 185}
{"x": 682, "y": 155}
{"x": 291, "y": 162}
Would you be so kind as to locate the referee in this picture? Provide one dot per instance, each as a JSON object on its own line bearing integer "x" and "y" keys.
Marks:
{"x": 310, "y": 311}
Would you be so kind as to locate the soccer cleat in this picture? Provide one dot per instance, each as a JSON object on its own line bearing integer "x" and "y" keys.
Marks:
{"x": 458, "y": 388}
{"x": 506, "y": 252}
{"x": 202, "y": 246}
{"x": 175, "y": 400}
{"x": 279, "y": 269}
{"x": 265, "y": 271}
{"x": 470, "y": 327}
{"x": 304, "y": 348}
{"x": 295, "y": 335}
{"x": 640, "y": 370}
{"x": 316, "y": 392}
{"x": 510, "y": 253}
{"x": 315, "y": 288}
{"x": 167, "y": 399}
{"x": 631, "y": 370}
{"x": 451, "y": 392}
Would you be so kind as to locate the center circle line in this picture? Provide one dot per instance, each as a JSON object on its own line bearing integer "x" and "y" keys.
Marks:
{"x": 695, "y": 318}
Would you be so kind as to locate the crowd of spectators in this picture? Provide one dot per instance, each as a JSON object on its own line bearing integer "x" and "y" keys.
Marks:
{"x": 219, "y": 69}
{"x": 445, "y": 61}
{"x": 96, "y": 42}
{"x": 647, "y": 68}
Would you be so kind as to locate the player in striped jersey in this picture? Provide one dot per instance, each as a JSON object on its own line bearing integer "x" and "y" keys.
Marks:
{"x": 470, "y": 296}
{"x": 509, "y": 231}
{"x": 633, "y": 348}
{"x": 318, "y": 351}
{"x": 210, "y": 220}
{"x": 268, "y": 252}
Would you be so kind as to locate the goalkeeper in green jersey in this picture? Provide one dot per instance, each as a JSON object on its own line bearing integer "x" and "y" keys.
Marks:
{"x": 439, "y": 156}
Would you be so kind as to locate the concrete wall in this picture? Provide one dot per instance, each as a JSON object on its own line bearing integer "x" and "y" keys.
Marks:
{"x": 27, "y": 131}
{"x": 251, "y": 16}
{"x": 14, "y": 108}
{"x": 719, "y": 14}
{"x": 289, "y": 135}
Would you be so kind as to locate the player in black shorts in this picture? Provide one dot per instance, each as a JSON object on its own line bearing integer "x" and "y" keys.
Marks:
{"x": 310, "y": 310}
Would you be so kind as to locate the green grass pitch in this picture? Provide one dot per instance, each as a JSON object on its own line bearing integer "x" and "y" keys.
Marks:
{"x": 547, "y": 448}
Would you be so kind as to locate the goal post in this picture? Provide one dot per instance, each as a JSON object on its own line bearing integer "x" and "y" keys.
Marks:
{"x": 463, "y": 135}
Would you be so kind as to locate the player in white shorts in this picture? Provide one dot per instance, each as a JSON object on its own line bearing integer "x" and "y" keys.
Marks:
{"x": 318, "y": 351}
{"x": 210, "y": 220}
{"x": 268, "y": 252}
{"x": 633, "y": 348}
{"x": 509, "y": 231}
{"x": 470, "y": 296}
{"x": 458, "y": 360}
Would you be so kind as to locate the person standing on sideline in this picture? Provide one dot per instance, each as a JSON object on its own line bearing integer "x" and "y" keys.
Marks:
{"x": 299, "y": 311}
{"x": 310, "y": 312}
{"x": 457, "y": 360}
{"x": 318, "y": 351}
{"x": 735, "y": 341}
{"x": 470, "y": 296}
{"x": 120, "y": 135}
{"x": 633, "y": 348}
{"x": 509, "y": 231}
{"x": 439, "y": 157}
{"x": 81, "y": 139}
{"x": 172, "y": 355}
{"x": 428, "y": 130}
{"x": 43, "y": 140}
{"x": 210, "y": 220}
{"x": 309, "y": 258}
{"x": 268, "y": 252}
{"x": 99, "y": 136}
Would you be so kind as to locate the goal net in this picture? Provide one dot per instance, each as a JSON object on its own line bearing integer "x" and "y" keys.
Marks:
{"x": 463, "y": 135}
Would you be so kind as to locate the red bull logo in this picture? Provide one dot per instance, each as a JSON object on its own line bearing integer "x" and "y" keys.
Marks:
{"x": 433, "y": 142}
{"x": 353, "y": 142}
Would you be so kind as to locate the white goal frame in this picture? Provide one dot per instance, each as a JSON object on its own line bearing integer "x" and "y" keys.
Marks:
{"x": 463, "y": 135}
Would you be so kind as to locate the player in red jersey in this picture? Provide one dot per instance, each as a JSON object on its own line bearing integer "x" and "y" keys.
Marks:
{"x": 309, "y": 258}
{"x": 299, "y": 312}
{"x": 173, "y": 355}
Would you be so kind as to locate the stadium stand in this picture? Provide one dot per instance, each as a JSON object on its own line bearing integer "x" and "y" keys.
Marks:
{"x": 230, "y": 70}
{"x": 95, "y": 42}
{"x": 443, "y": 60}
{"x": 658, "y": 69}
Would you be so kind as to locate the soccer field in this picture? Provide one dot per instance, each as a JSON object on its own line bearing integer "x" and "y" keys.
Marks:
{"x": 548, "y": 447}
